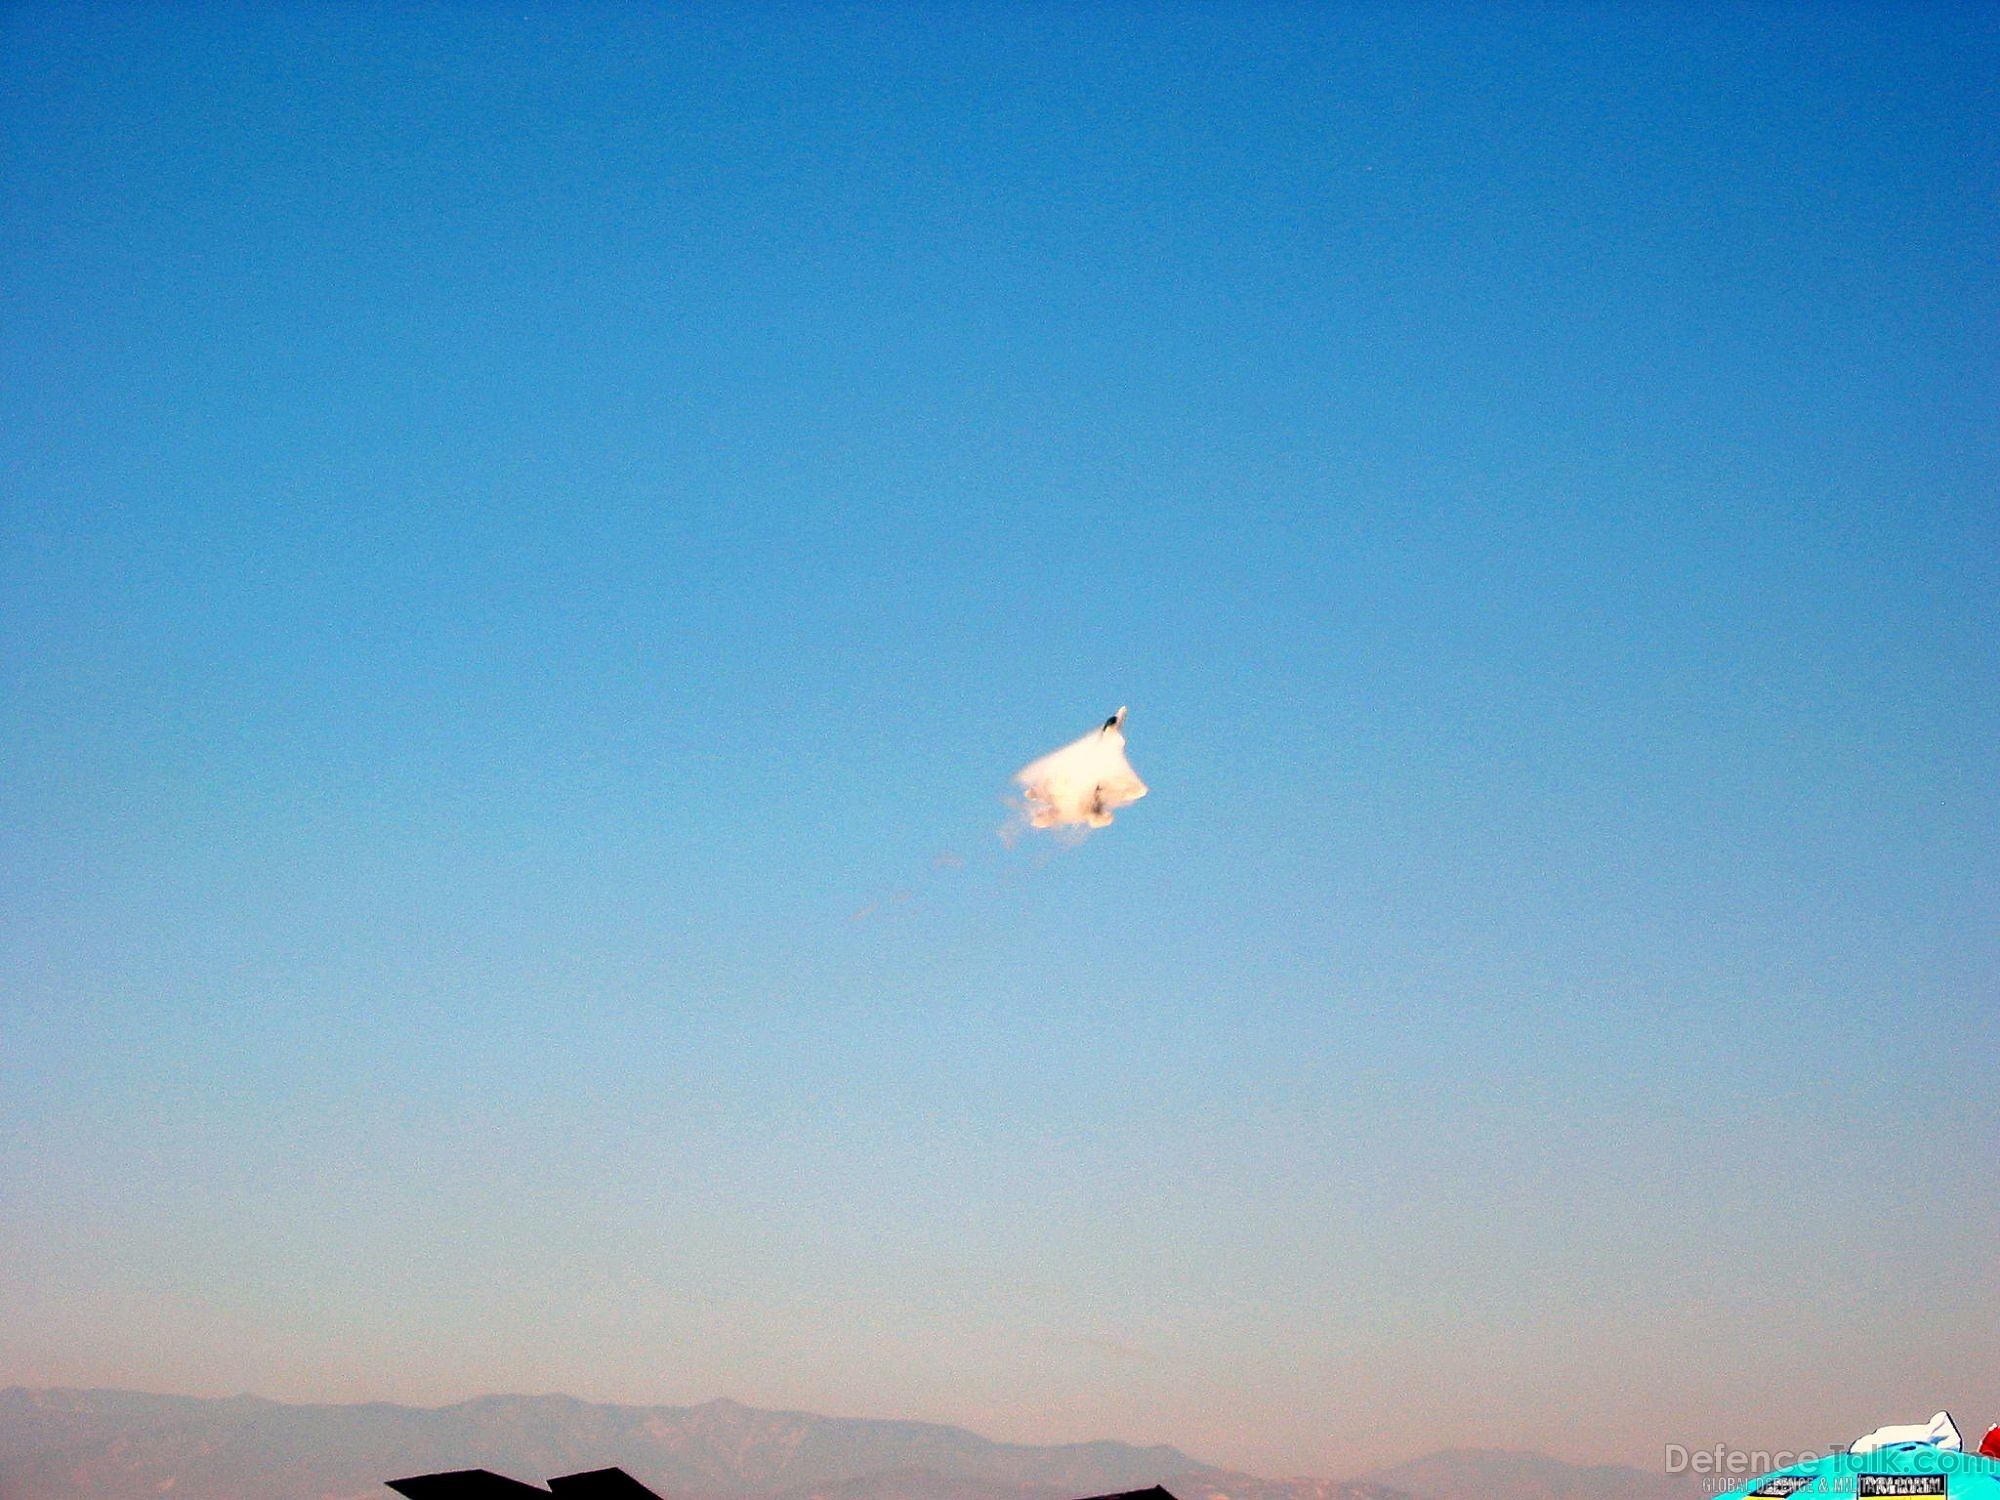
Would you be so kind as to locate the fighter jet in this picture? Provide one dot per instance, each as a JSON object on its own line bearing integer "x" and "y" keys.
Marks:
{"x": 597, "y": 1484}
{"x": 1080, "y": 784}
{"x": 483, "y": 1484}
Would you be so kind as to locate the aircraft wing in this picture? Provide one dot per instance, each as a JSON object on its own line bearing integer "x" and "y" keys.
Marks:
{"x": 600, "y": 1484}
{"x": 464, "y": 1484}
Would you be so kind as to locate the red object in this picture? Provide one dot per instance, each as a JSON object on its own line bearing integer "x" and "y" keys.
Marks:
{"x": 1990, "y": 1446}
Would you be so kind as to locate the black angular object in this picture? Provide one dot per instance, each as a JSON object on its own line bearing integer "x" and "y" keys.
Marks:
{"x": 464, "y": 1484}
{"x": 600, "y": 1484}
{"x": 481, "y": 1484}
{"x": 592, "y": 1484}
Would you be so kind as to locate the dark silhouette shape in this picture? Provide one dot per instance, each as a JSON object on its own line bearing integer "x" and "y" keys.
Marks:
{"x": 481, "y": 1484}
{"x": 592, "y": 1484}
{"x": 600, "y": 1484}
{"x": 464, "y": 1484}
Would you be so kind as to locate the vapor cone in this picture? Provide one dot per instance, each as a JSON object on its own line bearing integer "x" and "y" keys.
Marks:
{"x": 1079, "y": 785}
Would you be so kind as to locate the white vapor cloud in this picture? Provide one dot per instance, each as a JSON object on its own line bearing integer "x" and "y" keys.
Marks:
{"x": 1079, "y": 785}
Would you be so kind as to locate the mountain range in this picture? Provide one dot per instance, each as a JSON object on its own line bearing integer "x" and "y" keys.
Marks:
{"x": 127, "y": 1445}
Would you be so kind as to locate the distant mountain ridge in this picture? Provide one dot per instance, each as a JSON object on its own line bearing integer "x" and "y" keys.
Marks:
{"x": 127, "y": 1445}
{"x": 111, "y": 1445}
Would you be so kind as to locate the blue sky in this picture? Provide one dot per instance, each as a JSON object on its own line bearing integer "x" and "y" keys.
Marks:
{"x": 520, "y": 521}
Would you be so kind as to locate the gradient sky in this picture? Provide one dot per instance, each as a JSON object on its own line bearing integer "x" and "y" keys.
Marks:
{"x": 520, "y": 521}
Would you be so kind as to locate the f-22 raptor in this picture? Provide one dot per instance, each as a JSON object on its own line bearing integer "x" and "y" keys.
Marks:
{"x": 483, "y": 1484}
{"x": 595, "y": 1484}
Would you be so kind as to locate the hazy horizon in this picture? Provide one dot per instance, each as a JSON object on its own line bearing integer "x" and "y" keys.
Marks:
{"x": 1197, "y": 1460}
{"x": 535, "y": 537}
